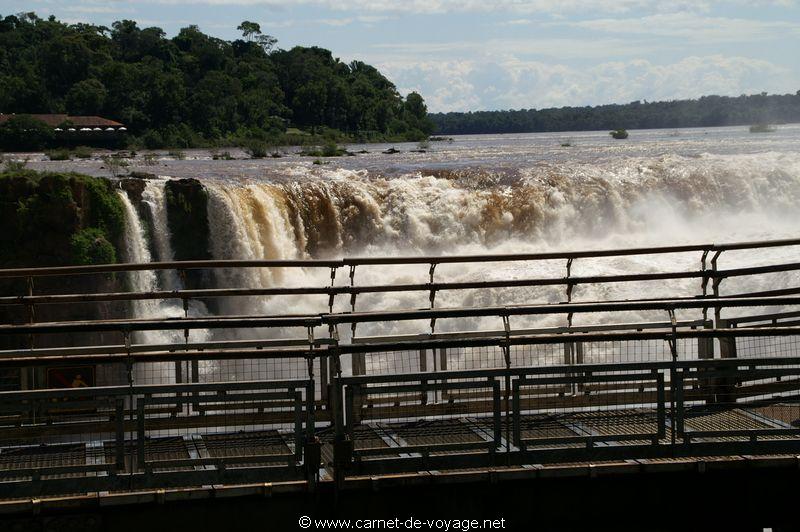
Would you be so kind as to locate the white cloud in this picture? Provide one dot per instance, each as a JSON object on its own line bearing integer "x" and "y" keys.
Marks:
{"x": 516, "y": 84}
{"x": 692, "y": 27}
{"x": 500, "y": 6}
{"x": 346, "y": 21}
{"x": 562, "y": 48}
{"x": 96, "y": 9}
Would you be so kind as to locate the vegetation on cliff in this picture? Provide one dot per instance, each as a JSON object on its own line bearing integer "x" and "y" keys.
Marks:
{"x": 51, "y": 219}
{"x": 197, "y": 90}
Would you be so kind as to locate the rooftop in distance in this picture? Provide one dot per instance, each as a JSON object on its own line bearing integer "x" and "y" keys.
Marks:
{"x": 63, "y": 121}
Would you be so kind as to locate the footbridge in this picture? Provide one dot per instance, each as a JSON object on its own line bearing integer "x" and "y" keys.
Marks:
{"x": 694, "y": 373}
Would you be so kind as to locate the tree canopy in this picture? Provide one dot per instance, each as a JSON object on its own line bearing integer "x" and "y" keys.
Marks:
{"x": 192, "y": 88}
{"x": 708, "y": 111}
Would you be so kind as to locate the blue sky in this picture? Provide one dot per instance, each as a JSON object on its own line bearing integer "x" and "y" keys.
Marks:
{"x": 473, "y": 54}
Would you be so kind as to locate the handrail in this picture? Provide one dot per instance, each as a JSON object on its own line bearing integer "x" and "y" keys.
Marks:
{"x": 34, "y": 358}
{"x": 232, "y": 322}
{"x": 365, "y": 261}
{"x": 153, "y": 389}
{"x": 420, "y": 287}
{"x": 716, "y": 364}
{"x": 559, "y": 308}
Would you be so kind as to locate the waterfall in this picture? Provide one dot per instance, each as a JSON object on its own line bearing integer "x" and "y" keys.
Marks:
{"x": 153, "y": 199}
{"x": 137, "y": 250}
{"x": 643, "y": 200}
{"x": 620, "y": 202}
{"x": 249, "y": 223}
{"x": 328, "y": 212}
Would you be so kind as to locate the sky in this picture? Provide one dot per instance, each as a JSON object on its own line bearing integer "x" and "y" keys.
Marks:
{"x": 473, "y": 55}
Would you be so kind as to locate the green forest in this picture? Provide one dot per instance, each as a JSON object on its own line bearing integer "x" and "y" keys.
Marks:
{"x": 708, "y": 111}
{"x": 197, "y": 90}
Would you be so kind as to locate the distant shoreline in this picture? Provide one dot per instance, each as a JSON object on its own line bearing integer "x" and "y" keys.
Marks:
{"x": 707, "y": 111}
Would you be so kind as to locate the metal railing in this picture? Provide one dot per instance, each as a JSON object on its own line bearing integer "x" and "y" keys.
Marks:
{"x": 131, "y": 437}
{"x": 298, "y": 400}
{"x": 708, "y": 275}
{"x": 623, "y": 411}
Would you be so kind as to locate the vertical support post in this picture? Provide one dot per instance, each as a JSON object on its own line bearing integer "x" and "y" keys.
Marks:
{"x": 705, "y": 346}
{"x": 672, "y": 339}
{"x": 342, "y": 445}
{"x": 28, "y": 374}
{"x": 506, "y": 346}
{"x": 119, "y": 444}
{"x": 299, "y": 440}
{"x": 324, "y": 379}
{"x": 569, "y": 360}
{"x": 704, "y": 283}
{"x": 497, "y": 414}
{"x": 440, "y": 394}
{"x": 570, "y": 286}
{"x": 727, "y": 344}
{"x": 661, "y": 416}
{"x": 312, "y": 447}
{"x": 332, "y": 292}
{"x": 31, "y": 319}
{"x": 423, "y": 368}
{"x": 358, "y": 363}
{"x": 676, "y": 403}
{"x": 727, "y": 349}
{"x": 705, "y": 351}
{"x": 31, "y": 306}
{"x": 140, "y": 434}
{"x": 715, "y": 287}
{"x": 517, "y": 420}
{"x": 311, "y": 430}
{"x": 432, "y": 295}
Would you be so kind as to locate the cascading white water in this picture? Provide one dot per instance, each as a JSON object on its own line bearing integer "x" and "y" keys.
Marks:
{"x": 153, "y": 199}
{"x": 249, "y": 222}
{"x": 645, "y": 201}
{"x": 335, "y": 212}
{"x": 137, "y": 251}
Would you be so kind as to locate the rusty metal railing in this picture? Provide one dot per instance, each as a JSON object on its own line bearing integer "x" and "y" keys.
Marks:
{"x": 709, "y": 275}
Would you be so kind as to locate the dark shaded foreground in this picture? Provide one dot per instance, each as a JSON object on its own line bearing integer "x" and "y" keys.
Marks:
{"x": 739, "y": 500}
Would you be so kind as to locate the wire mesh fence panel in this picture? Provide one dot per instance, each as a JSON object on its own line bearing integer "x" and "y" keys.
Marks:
{"x": 251, "y": 369}
{"x": 388, "y": 362}
{"x": 537, "y": 355}
{"x": 763, "y": 346}
{"x": 158, "y": 372}
{"x": 428, "y": 417}
{"x": 54, "y": 434}
{"x": 614, "y": 352}
{"x": 465, "y": 358}
{"x": 727, "y": 404}
{"x": 588, "y": 409}
{"x": 751, "y": 347}
{"x": 215, "y": 426}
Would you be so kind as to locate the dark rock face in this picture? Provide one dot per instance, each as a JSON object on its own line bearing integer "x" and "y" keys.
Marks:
{"x": 187, "y": 216}
{"x": 134, "y": 187}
